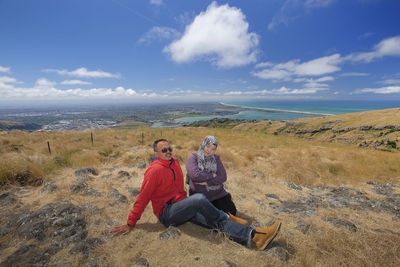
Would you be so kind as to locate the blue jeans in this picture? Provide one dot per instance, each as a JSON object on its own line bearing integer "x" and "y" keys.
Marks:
{"x": 199, "y": 210}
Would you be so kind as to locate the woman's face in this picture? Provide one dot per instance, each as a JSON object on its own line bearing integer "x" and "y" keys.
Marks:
{"x": 209, "y": 150}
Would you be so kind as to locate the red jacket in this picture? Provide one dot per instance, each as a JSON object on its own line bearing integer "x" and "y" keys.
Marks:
{"x": 162, "y": 182}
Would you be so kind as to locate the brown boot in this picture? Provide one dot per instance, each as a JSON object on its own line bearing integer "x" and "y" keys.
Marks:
{"x": 264, "y": 236}
{"x": 237, "y": 219}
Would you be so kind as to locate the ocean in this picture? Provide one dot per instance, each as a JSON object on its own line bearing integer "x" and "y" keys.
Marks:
{"x": 291, "y": 110}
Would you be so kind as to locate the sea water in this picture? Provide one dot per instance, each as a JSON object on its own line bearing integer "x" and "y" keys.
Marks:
{"x": 290, "y": 110}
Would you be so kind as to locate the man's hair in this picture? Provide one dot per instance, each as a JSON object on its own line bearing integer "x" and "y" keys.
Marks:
{"x": 157, "y": 141}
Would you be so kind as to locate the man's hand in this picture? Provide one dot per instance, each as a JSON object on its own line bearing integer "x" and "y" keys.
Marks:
{"x": 121, "y": 230}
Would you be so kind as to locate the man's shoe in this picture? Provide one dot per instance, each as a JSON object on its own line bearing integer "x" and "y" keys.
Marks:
{"x": 264, "y": 236}
{"x": 237, "y": 219}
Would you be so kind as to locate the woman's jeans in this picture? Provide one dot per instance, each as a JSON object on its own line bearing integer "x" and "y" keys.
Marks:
{"x": 199, "y": 210}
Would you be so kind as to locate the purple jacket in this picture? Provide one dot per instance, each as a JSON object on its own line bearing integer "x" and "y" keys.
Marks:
{"x": 215, "y": 187}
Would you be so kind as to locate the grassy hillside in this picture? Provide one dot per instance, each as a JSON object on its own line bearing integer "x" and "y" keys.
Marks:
{"x": 305, "y": 183}
{"x": 372, "y": 129}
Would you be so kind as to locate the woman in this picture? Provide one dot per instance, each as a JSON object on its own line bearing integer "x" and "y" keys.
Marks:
{"x": 207, "y": 175}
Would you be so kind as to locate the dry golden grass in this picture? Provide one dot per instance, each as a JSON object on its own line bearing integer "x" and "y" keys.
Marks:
{"x": 257, "y": 163}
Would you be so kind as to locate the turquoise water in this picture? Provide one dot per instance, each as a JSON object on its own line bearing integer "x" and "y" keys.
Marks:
{"x": 319, "y": 107}
{"x": 291, "y": 110}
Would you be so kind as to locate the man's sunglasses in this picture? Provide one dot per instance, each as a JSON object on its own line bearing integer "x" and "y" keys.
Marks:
{"x": 165, "y": 149}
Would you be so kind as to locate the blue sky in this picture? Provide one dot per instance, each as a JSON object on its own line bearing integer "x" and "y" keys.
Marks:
{"x": 161, "y": 51}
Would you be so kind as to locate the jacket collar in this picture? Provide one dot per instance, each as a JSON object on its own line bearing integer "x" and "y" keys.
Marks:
{"x": 164, "y": 162}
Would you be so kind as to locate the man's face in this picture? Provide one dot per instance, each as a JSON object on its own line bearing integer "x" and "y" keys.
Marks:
{"x": 163, "y": 146}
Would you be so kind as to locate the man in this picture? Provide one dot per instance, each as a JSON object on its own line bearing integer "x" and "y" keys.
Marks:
{"x": 163, "y": 185}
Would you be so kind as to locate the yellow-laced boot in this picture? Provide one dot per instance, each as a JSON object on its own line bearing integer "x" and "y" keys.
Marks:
{"x": 264, "y": 236}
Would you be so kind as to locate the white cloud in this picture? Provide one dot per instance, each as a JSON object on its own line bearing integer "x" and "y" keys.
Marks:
{"x": 387, "y": 47}
{"x": 84, "y": 73}
{"x": 156, "y": 2}
{"x": 75, "y": 82}
{"x": 391, "y": 81}
{"x": 6, "y": 79}
{"x": 4, "y": 69}
{"x": 382, "y": 90}
{"x": 220, "y": 35}
{"x": 286, "y": 91}
{"x": 317, "y": 3}
{"x": 45, "y": 89}
{"x": 263, "y": 65}
{"x": 291, "y": 10}
{"x": 319, "y": 66}
{"x": 44, "y": 83}
{"x": 354, "y": 74}
{"x": 315, "y": 67}
{"x": 159, "y": 33}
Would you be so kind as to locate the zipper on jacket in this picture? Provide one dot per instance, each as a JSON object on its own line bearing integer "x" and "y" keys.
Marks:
{"x": 173, "y": 172}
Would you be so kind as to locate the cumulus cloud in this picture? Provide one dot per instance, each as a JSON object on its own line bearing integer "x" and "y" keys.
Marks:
{"x": 159, "y": 33}
{"x": 220, "y": 35}
{"x": 4, "y": 69}
{"x": 84, "y": 73}
{"x": 45, "y": 89}
{"x": 75, "y": 82}
{"x": 286, "y": 71}
{"x": 382, "y": 90}
{"x": 292, "y": 9}
{"x": 387, "y": 47}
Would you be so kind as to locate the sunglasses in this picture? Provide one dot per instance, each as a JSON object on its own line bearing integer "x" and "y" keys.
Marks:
{"x": 165, "y": 149}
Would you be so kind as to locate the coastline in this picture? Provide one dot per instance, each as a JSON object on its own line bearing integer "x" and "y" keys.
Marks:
{"x": 276, "y": 110}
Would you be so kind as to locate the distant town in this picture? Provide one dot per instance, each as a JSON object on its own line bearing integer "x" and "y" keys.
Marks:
{"x": 97, "y": 117}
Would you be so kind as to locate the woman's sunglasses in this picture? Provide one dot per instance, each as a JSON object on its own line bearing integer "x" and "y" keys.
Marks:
{"x": 165, "y": 149}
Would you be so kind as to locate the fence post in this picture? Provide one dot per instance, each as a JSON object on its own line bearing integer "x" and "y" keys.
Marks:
{"x": 142, "y": 138}
{"x": 48, "y": 146}
{"x": 91, "y": 137}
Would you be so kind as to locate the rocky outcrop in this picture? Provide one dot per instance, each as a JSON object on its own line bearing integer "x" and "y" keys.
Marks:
{"x": 53, "y": 227}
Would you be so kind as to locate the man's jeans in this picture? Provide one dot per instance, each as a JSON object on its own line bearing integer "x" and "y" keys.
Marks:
{"x": 199, "y": 210}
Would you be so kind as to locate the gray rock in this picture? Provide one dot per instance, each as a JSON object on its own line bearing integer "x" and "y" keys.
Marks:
{"x": 49, "y": 186}
{"x": 123, "y": 174}
{"x": 272, "y": 196}
{"x": 134, "y": 191}
{"x": 382, "y": 188}
{"x": 170, "y": 233}
{"x": 294, "y": 186}
{"x": 91, "y": 192}
{"x": 29, "y": 255}
{"x": 276, "y": 251}
{"x": 7, "y": 198}
{"x": 94, "y": 210}
{"x": 75, "y": 188}
{"x": 303, "y": 226}
{"x": 64, "y": 264}
{"x": 142, "y": 262}
{"x": 85, "y": 171}
{"x": 341, "y": 223}
{"x": 115, "y": 194}
{"x": 141, "y": 164}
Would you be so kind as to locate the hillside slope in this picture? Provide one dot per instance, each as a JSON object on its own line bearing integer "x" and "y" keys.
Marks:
{"x": 378, "y": 129}
{"x": 339, "y": 204}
